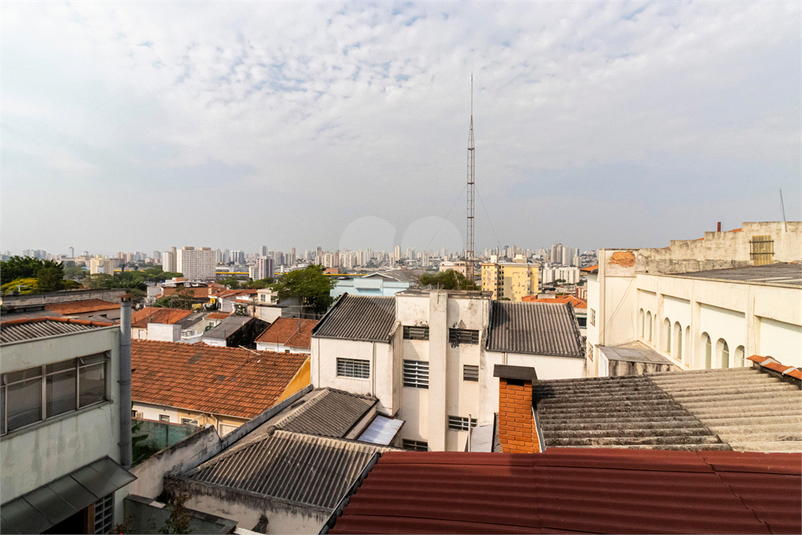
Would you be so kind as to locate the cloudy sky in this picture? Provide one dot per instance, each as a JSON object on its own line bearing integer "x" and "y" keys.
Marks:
{"x": 143, "y": 125}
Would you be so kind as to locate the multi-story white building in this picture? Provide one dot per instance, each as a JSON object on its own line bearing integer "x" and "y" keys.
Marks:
{"x": 100, "y": 264}
{"x": 700, "y": 304}
{"x": 64, "y": 449}
{"x": 429, "y": 355}
{"x": 196, "y": 264}
{"x": 262, "y": 268}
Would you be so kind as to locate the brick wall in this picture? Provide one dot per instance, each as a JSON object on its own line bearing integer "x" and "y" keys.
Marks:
{"x": 516, "y": 425}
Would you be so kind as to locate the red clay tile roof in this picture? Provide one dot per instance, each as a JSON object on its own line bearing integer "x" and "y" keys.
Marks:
{"x": 141, "y": 318}
{"x": 234, "y": 293}
{"x": 287, "y": 331}
{"x": 590, "y": 269}
{"x": 197, "y": 293}
{"x": 575, "y": 301}
{"x": 220, "y": 380}
{"x": 81, "y": 307}
{"x": 218, "y": 316}
{"x": 578, "y": 490}
{"x": 773, "y": 364}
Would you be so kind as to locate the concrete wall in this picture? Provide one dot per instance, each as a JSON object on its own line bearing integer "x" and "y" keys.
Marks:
{"x": 153, "y": 412}
{"x": 162, "y": 435}
{"x": 42, "y": 452}
{"x": 164, "y": 332}
{"x": 65, "y": 296}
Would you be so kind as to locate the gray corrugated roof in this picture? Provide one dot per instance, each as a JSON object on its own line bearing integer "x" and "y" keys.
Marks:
{"x": 633, "y": 354}
{"x": 534, "y": 328}
{"x": 780, "y": 274}
{"x": 30, "y": 330}
{"x": 325, "y": 412}
{"x": 292, "y": 467}
{"x": 362, "y": 318}
{"x": 227, "y": 327}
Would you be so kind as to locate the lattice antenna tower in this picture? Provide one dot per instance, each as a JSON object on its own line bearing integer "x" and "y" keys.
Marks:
{"x": 471, "y": 178}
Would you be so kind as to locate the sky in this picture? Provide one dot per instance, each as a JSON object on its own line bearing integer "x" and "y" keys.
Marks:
{"x": 145, "y": 125}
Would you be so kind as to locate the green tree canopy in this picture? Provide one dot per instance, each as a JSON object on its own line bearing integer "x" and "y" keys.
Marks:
{"x": 446, "y": 280}
{"x": 49, "y": 274}
{"x": 183, "y": 298}
{"x": 310, "y": 286}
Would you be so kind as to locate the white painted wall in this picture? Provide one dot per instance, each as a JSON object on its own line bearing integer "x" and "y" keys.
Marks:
{"x": 280, "y": 348}
{"x": 164, "y": 332}
{"x": 780, "y": 340}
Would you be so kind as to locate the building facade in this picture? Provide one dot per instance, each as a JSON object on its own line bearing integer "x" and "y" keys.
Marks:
{"x": 196, "y": 264}
{"x": 510, "y": 280}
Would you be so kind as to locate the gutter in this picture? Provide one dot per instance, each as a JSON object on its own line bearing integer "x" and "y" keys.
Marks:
{"x": 346, "y": 499}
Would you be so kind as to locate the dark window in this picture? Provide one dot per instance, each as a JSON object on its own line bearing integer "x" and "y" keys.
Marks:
{"x": 416, "y": 374}
{"x": 23, "y": 397}
{"x": 462, "y": 336}
{"x": 470, "y": 373}
{"x": 583, "y": 322}
{"x": 416, "y": 333}
{"x": 91, "y": 379}
{"x": 357, "y": 368}
{"x": 414, "y": 445}
{"x": 459, "y": 423}
{"x": 164, "y": 418}
{"x": 60, "y": 388}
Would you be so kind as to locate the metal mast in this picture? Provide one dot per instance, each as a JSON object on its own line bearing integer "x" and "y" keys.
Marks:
{"x": 471, "y": 176}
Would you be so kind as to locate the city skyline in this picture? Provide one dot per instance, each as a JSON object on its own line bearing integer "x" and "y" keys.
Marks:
{"x": 228, "y": 123}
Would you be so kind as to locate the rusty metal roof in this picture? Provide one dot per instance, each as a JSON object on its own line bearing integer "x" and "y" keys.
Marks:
{"x": 534, "y": 328}
{"x": 368, "y": 319}
{"x": 577, "y": 491}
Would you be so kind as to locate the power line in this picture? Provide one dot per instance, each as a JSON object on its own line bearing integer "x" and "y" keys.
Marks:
{"x": 448, "y": 214}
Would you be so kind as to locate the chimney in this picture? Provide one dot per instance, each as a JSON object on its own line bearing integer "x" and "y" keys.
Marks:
{"x": 718, "y": 228}
{"x": 125, "y": 382}
{"x": 517, "y": 429}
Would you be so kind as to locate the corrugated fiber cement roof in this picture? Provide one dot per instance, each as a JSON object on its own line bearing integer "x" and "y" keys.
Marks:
{"x": 578, "y": 491}
{"x": 363, "y": 318}
{"x": 534, "y": 328}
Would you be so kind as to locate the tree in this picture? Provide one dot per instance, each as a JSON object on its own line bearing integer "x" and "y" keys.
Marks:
{"x": 183, "y": 298}
{"x": 310, "y": 286}
{"x": 446, "y": 280}
{"x": 180, "y": 517}
{"x": 23, "y": 286}
{"x": 258, "y": 284}
{"x": 49, "y": 274}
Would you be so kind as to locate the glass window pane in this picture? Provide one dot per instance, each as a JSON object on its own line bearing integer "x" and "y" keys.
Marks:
{"x": 91, "y": 359}
{"x": 60, "y": 393}
{"x": 93, "y": 384}
{"x": 24, "y": 403}
{"x": 61, "y": 366}
{"x": 13, "y": 377}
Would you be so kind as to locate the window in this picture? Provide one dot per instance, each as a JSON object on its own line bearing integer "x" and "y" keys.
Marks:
{"x": 470, "y": 373}
{"x": 592, "y": 317}
{"x": 641, "y": 323}
{"x": 462, "y": 336}
{"x": 708, "y": 349}
{"x": 164, "y": 418}
{"x": 104, "y": 514}
{"x": 189, "y": 421}
{"x": 416, "y": 333}
{"x": 357, "y": 368}
{"x": 32, "y": 395}
{"x": 459, "y": 423}
{"x": 761, "y": 250}
{"x": 739, "y": 357}
{"x": 416, "y": 373}
{"x": 667, "y": 336}
{"x": 649, "y": 328}
{"x": 723, "y": 351}
{"x": 678, "y": 341}
{"x": 414, "y": 445}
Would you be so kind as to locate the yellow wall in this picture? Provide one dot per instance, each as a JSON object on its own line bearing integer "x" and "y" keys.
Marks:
{"x": 298, "y": 382}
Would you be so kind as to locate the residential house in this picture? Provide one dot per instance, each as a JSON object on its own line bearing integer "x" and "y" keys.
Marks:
{"x": 701, "y": 304}
{"x": 205, "y": 385}
{"x": 86, "y": 309}
{"x": 428, "y": 355}
{"x": 143, "y": 318}
{"x": 65, "y": 425}
{"x": 228, "y": 300}
{"x": 234, "y": 331}
{"x": 287, "y": 335}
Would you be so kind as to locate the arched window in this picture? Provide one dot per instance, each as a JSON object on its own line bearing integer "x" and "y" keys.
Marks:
{"x": 667, "y": 335}
{"x": 738, "y": 357}
{"x": 641, "y": 325}
{"x": 707, "y": 348}
{"x": 687, "y": 344}
{"x": 649, "y": 321}
{"x": 723, "y": 353}
{"x": 678, "y": 341}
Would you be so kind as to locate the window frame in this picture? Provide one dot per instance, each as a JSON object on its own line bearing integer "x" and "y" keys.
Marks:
{"x": 414, "y": 445}
{"x": 416, "y": 332}
{"x": 102, "y": 359}
{"x": 347, "y": 361}
{"x": 460, "y": 423}
{"x": 470, "y": 377}
{"x": 415, "y": 374}
{"x": 457, "y": 337}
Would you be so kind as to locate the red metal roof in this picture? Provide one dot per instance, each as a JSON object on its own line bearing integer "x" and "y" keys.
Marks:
{"x": 578, "y": 491}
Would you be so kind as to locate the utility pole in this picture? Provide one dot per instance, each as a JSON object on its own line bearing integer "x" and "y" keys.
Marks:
{"x": 471, "y": 177}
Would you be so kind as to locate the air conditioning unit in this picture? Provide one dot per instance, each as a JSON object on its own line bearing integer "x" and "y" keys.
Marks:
{"x": 138, "y": 414}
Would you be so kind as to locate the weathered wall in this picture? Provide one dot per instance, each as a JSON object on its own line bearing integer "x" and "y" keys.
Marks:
{"x": 65, "y": 296}
{"x": 144, "y": 516}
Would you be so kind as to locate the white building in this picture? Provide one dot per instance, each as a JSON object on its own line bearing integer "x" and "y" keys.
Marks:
{"x": 429, "y": 355}
{"x": 196, "y": 264}
{"x": 63, "y": 416}
{"x": 100, "y": 264}
{"x": 701, "y": 304}
{"x": 262, "y": 268}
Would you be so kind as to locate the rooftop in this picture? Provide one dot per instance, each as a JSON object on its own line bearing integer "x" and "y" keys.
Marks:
{"x": 573, "y": 491}
{"x": 291, "y": 467}
{"x": 774, "y": 274}
{"x": 32, "y": 328}
{"x": 141, "y": 318}
{"x": 363, "y": 318}
{"x": 736, "y": 408}
{"x": 575, "y": 301}
{"x": 221, "y": 380}
{"x": 81, "y": 307}
{"x": 227, "y": 327}
{"x": 291, "y": 332}
{"x": 534, "y": 328}
{"x": 634, "y": 352}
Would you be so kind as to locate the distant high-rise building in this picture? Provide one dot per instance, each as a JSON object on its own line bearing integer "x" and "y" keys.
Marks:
{"x": 72, "y": 252}
{"x": 196, "y": 264}
{"x": 263, "y": 268}
{"x": 397, "y": 253}
{"x": 510, "y": 280}
{"x": 168, "y": 261}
